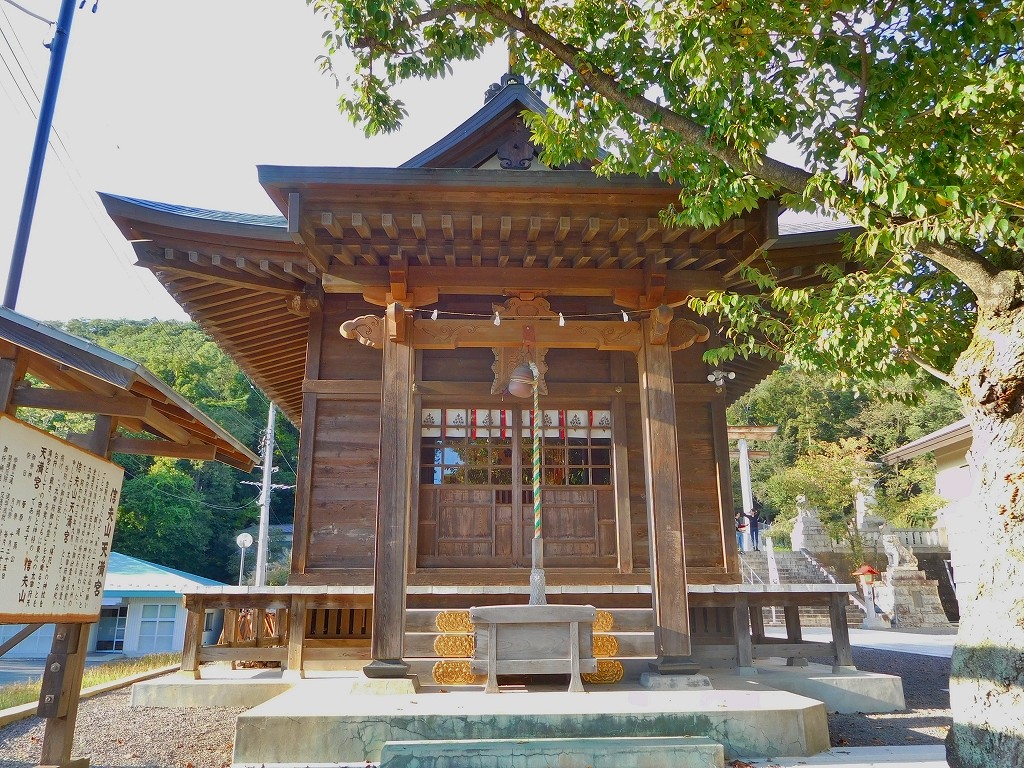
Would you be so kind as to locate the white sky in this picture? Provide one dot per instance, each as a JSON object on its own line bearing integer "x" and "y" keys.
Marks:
{"x": 176, "y": 101}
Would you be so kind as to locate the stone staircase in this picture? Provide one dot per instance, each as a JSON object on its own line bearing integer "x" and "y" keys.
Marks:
{"x": 795, "y": 568}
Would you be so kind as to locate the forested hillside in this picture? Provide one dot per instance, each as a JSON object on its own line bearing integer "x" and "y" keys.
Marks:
{"x": 830, "y": 436}
{"x": 177, "y": 512}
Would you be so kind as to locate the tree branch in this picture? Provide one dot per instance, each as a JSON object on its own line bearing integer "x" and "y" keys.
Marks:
{"x": 788, "y": 177}
{"x": 926, "y": 366}
{"x": 963, "y": 262}
{"x": 976, "y": 273}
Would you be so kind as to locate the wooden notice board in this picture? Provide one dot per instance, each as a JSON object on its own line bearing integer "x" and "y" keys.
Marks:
{"x": 58, "y": 505}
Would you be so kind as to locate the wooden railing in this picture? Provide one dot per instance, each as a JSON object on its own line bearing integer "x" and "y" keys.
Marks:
{"x": 293, "y": 625}
{"x": 283, "y": 625}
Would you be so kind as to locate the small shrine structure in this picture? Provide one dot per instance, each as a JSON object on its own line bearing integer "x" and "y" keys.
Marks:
{"x": 384, "y": 311}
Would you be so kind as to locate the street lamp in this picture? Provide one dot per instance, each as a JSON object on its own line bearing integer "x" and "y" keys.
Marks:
{"x": 244, "y": 541}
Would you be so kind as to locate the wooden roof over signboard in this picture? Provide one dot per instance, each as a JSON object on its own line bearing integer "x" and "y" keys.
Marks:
{"x": 447, "y": 221}
{"x": 81, "y": 376}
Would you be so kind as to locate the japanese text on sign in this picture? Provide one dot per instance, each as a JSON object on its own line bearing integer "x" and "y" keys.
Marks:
{"x": 58, "y": 505}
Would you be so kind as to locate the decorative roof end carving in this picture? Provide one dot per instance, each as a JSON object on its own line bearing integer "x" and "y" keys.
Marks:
{"x": 516, "y": 153}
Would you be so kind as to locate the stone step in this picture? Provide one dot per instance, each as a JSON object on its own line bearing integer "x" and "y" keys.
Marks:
{"x": 621, "y": 752}
{"x": 316, "y": 721}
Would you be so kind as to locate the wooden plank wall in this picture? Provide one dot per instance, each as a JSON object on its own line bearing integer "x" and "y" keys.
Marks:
{"x": 704, "y": 480}
{"x": 343, "y": 505}
{"x": 339, "y": 514}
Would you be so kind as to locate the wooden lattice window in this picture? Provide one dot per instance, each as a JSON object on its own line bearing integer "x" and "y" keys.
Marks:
{"x": 473, "y": 446}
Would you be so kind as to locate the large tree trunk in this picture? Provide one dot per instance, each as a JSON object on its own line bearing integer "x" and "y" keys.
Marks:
{"x": 987, "y": 680}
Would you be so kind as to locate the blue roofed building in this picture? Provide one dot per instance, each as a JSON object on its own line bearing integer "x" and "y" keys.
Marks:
{"x": 142, "y": 612}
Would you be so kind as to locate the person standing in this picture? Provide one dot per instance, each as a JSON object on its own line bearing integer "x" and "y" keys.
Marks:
{"x": 741, "y": 528}
{"x": 755, "y": 525}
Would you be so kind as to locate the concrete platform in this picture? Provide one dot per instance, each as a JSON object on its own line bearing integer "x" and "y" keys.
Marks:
{"x": 177, "y": 691}
{"x": 317, "y": 721}
{"x": 843, "y": 692}
{"x": 321, "y": 720}
{"x": 625, "y": 752}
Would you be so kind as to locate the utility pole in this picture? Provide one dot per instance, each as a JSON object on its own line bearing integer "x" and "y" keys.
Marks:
{"x": 58, "y": 48}
{"x": 260, "y": 579}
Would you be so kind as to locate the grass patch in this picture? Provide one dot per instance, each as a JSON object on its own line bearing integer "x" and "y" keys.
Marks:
{"x": 24, "y": 692}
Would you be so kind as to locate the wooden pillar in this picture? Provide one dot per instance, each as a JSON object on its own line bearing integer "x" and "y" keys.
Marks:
{"x": 296, "y": 636}
{"x": 664, "y": 506}
{"x": 620, "y": 469}
{"x": 8, "y": 378}
{"x": 741, "y": 627}
{"x": 794, "y": 634}
{"x": 194, "y": 620}
{"x": 307, "y": 437}
{"x": 62, "y": 677}
{"x": 394, "y": 498}
{"x": 730, "y": 548}
{"x": 58, "y": 695}
{"x": 840, "y": 632}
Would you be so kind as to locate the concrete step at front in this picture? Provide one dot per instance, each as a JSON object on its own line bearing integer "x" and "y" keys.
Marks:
{"x": 620, "y": 752}
{"x": 318, "y": 722}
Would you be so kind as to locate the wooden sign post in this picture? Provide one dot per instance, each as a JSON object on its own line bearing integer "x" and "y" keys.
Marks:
{"x": 58, "y": 506}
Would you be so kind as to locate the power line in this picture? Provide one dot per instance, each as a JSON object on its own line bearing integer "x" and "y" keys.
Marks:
{"x": 17, "y": 60}
{"x": 26, "y": 11}
{"x": 161, "y": 491}
{"x": 63, "y": 154}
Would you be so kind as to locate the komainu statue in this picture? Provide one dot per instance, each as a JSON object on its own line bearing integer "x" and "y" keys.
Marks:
{"x": 899, "y": 555}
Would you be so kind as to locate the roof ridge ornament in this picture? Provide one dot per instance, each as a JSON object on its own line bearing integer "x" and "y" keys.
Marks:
{"x": 509, "y": 78}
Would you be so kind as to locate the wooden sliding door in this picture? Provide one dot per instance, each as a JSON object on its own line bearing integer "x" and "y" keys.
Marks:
{"x": 476, "y": 492}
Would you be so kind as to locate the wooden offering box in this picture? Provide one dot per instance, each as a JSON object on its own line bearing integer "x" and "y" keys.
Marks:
{"x": 534, "y": 639}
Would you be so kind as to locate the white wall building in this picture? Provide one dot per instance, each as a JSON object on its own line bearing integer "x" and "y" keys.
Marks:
{"x": 953, "y": 482}
{"x": 142, "y": 612}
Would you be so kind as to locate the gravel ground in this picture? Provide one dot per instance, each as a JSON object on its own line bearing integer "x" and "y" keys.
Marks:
{"x": 926, "y": 690}
{"x": 115, "y": 734}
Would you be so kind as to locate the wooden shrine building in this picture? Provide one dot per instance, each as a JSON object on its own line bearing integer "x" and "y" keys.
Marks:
{"x": 384, "y": 312}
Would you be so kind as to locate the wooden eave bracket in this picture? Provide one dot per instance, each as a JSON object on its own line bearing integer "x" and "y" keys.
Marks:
{"x": 303, "y": 234}
{"x": 398, "y": 290}
{"x": 370, "y": 329}
{"x": 679, "y": 333}
{"x": 395, "y": 319}
{"x": 685, "y": 333}
{"x": 398, "y": 272}
{"x": 304, "y": 304}
{"x": 418, "y": 297}
{"x": 661, "y": 322}
{"x": 639, "y": 300}
{"x": 366, "y": 329}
